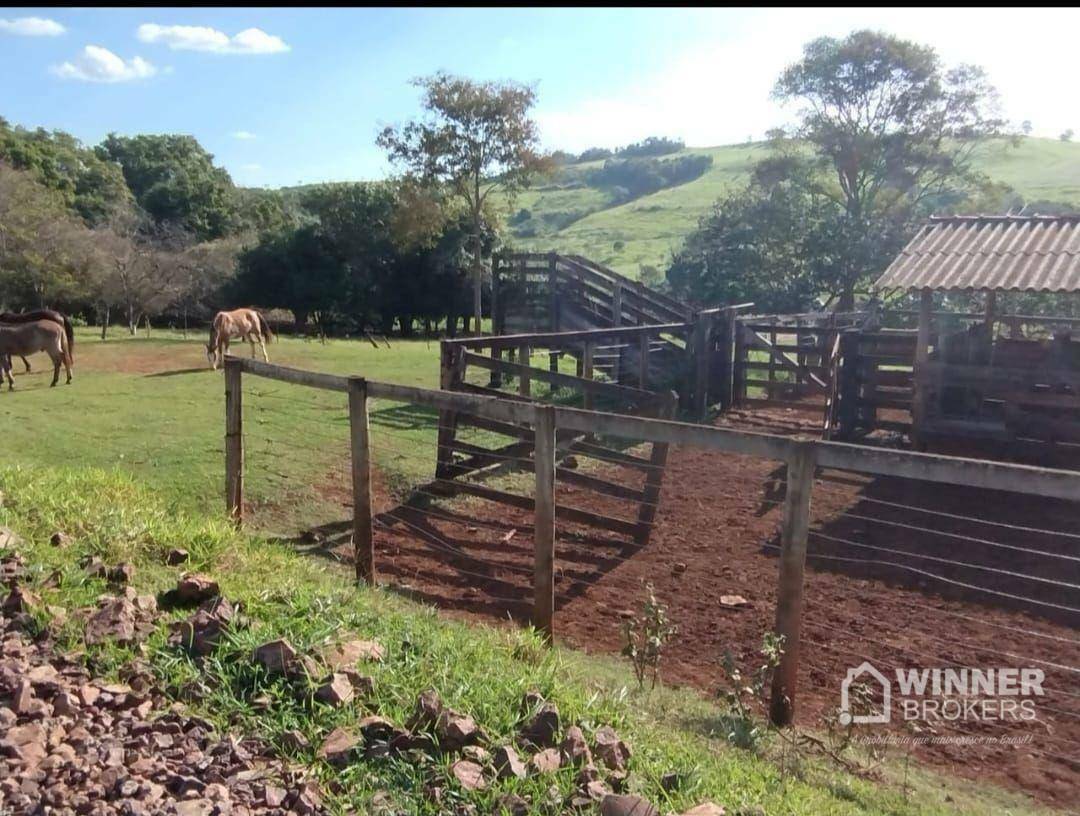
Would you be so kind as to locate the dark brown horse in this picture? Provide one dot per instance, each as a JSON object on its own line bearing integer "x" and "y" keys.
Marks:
{"x": 21, "y": 339}
{"x": 12, "y": 318}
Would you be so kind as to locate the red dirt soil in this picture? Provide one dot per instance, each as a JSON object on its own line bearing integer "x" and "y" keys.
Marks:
{"x": 715, "y": 534}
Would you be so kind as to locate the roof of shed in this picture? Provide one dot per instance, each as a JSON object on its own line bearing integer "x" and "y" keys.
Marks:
{"x": 1019, "y": 253}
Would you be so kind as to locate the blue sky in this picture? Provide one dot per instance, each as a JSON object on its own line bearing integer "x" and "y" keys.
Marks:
{"x": 282, "y": 96}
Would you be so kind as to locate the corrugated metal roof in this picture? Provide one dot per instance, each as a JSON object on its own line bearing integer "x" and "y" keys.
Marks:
{"x": 1035, "y": 253}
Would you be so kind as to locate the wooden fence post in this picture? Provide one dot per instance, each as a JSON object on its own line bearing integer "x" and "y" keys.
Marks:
{"x": 701, "y": 366}
{"x": 654, "y": 476}
{"x": 449, "y": 374}
{"x": 643, "y": 361}
{"x": 587, "y": 372}
{"x": 234, "y": 440}
{"x": 789, "y": 598}
{"x": 544, "y": 521}
{"x": 726, "y": 352}
{"x": 920, "y": 397}
{"x": 553, "y": 294}
{"x": 738, "y": 364}
{"x": 524, "y": 381}
{"x": 363, "y": 539}
{"x": 616, "y": 304}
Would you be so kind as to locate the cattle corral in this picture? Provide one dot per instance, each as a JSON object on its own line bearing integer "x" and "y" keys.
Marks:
{"x": 902, "y": 572}
{"x": 854, "y": 555}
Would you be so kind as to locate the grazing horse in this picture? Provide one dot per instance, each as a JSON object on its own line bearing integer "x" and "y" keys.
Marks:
{"x": 42, "y": 314}
{"x": 27, "y": 338}
{"x": 245, "y": 323}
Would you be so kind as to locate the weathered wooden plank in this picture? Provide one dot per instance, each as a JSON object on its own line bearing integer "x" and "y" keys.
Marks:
{"x": 234, "y": 440}
{"x": 789, "y": 599}
{"x": 359, "y": 437}
{"x": 544, "y": 523}
{"x": 548, "y": 339}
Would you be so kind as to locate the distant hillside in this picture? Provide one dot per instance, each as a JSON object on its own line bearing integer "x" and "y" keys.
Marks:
{"x": 573, "y": 217}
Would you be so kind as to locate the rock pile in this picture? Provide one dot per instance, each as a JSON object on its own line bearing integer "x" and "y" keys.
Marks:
{"x": 71, "y": 743}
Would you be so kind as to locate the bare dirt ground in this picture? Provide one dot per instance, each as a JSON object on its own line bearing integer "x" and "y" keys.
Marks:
{"x": 715, "y": 534}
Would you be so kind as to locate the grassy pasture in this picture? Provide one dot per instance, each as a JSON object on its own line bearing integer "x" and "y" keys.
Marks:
{"x": 577, "y": 218}
{"x": 153, "y": 408}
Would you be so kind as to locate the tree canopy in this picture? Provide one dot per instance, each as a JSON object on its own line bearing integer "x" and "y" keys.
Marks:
{"x": 476, "y": 138}
{"x": 885, "y": 136}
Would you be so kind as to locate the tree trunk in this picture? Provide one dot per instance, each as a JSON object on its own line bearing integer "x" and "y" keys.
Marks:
{"x": 105, "y": 323}
{"x": 847, "y": 299}
{"x": 300, "y": 319}
{"x": 478, "y": 271}
{"x": 405, "y": 321}
{"x": 451, "y": 325}
{"x": 133, "y": 321}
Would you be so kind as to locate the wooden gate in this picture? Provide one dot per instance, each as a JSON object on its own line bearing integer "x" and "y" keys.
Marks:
{"x": 872, "y": 383}
{"x": 783, "y": 365}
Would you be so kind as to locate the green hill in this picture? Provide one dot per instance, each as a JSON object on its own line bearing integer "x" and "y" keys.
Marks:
{"x": 571, "y": 216}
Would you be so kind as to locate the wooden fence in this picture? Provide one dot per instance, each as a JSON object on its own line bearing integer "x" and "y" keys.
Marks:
{"x": 801, "y": 456}
{"x": 551, "y": 292}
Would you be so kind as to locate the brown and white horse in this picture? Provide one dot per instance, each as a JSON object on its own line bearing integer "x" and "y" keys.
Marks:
{"x": 245, "y": 323}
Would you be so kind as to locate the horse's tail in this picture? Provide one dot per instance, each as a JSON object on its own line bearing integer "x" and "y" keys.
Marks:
{"x": 264, "y": 328}
{"x": 65, "y": 347}
{"x": 69, "y": 330}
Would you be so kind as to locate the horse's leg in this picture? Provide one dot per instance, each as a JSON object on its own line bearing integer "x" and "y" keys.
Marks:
{"x": 262, "y": 346}
{"x": 67, "y": 367}
{"x": 26, "y": 363}
{"x": 252, "y": 344}
{"x": 56, "y": 358}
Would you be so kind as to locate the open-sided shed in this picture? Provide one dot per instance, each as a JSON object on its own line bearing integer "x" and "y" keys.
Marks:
{"x": 978, "y": 383}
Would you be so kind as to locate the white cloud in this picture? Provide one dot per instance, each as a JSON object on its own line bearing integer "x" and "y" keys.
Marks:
{"x": 97, "y": 64}
{"x": 717, "y": 92}
{"x": 32, "y": 27}
{"x": 243, "y": 135}
{"x": 204, "y": 38}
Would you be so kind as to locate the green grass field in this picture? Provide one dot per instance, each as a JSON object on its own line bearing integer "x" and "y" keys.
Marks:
{"x": 128, "y": 461}
{"x": 153, "y": 408}
{"x": 574, "y": 218}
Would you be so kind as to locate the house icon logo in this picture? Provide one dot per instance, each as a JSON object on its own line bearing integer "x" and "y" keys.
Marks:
{"x": 867, "y": 668}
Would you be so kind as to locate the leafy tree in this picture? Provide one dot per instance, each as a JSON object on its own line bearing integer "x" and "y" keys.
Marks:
{"x": 762, "y": 244}
{"x": 300, "y": 270}
{"x": 594, "y": 154}
{"x": 1066, "y": 135}
{"x": 893, "y": 128}
{"x": 1026, "y": 127}
{"x": 174, "y": 180}
{"x": 476, "y": 139}
{"x": 88, "y": 185}
{"x": 652, "y": 146}
{"x": 46, "y": 252}
{"x": 637, "y": 177}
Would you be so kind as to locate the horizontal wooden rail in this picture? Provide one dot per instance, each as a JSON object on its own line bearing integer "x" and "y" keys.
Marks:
{"x": 546, "y": 339}
{"x": 594, "y": 387}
